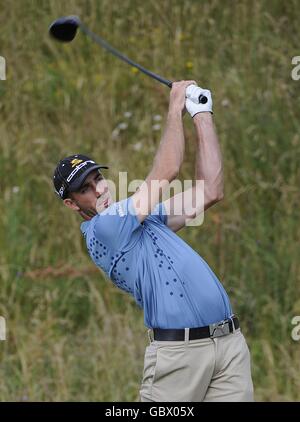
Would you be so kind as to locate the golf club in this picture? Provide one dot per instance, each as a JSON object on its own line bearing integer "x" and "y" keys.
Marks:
{"x": 64, "y": 29}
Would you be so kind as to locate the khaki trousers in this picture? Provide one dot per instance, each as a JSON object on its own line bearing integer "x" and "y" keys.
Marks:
{"x": 198, "y": 370}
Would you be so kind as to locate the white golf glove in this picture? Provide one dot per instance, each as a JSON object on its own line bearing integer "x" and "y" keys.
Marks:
{"x": 192, "y": 100}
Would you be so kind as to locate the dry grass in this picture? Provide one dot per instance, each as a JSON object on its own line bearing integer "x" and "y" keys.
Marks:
{"x": 71, "y": 335}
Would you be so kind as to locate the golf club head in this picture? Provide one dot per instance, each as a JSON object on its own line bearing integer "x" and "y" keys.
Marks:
{"x": 64, "y": 29}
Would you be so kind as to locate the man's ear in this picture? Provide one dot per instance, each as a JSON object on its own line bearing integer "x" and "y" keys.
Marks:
{"x": 71, "y": 204}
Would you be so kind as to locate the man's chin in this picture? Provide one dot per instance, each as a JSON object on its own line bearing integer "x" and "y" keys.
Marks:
{"x": 102, "y": 206}
{"x": 87, "y": 214}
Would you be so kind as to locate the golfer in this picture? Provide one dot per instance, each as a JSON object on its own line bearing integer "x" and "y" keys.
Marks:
{"x": 196, "y": 349}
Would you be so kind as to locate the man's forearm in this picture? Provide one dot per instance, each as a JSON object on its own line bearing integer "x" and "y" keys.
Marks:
{"x": 209, "y": 165}
{"x": 169, "y": 156}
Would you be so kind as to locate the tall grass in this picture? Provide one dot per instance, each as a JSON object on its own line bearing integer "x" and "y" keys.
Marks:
{"x": 72, "y": 335}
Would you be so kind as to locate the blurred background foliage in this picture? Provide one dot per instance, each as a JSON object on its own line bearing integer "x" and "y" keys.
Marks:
{"x": 71, "y": 335}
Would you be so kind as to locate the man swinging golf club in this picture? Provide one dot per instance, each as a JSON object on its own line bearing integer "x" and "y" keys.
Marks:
{"x": 196, "y": 349}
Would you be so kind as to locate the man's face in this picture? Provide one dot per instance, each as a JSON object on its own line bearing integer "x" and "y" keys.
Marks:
{"x": 92, "y": 198}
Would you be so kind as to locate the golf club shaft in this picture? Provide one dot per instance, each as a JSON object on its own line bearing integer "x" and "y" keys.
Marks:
{"x": 115, "y": 52}
{"x": 121, "y": 56}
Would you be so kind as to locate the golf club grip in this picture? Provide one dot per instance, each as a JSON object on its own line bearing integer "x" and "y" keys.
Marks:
{"x": 201, "y": 100}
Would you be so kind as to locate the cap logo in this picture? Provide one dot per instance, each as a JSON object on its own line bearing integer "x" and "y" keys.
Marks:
{"x": 75, "y": 162}
{"x": 61, "y": 191}
{"x": 77, "y": 168}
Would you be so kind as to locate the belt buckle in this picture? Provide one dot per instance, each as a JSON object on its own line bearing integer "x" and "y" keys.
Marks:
{"x": 219, "y": 329}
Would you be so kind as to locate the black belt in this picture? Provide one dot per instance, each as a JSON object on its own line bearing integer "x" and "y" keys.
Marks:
{"x": 218, "y": 329}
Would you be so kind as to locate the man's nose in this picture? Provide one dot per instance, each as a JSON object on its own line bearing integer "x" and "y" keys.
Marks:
{"x": 100, "y": 189}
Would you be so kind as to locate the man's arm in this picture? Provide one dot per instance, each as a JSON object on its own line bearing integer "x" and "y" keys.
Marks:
{"x": 208, "y": 168}
{"x": 168, "y": 158}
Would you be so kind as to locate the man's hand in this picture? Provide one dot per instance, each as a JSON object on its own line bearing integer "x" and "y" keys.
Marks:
{"x": 178, "y": 96}
{"x": 192, "y": 93}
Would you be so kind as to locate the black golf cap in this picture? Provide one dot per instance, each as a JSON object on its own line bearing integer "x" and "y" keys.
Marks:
{"x": 71, "y": 172}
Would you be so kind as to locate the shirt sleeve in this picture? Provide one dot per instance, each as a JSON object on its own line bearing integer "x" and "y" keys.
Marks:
{"x": 118, "y": 225}
{"x": 159, "y": 214}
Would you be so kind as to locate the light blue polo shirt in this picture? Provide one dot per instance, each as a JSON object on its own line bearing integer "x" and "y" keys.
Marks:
{"x": 169, "y": 280}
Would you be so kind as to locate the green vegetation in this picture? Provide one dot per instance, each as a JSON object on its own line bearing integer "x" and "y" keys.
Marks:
{"x": 71, "y": 334}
